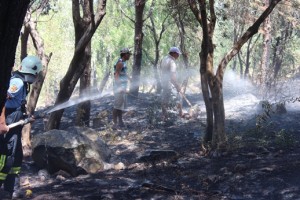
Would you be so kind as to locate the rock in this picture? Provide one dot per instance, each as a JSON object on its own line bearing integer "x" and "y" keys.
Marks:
{"x": 60, "y": 178}
{"x": 240, "y": 168}
{"x": 158, "y": 155}
{"x": 101, "y": 146}
{"x": 63, "y": 174}
{"x": 77, "y": 150}
{"x": 119, "y": 166}
{"x": 43, "y": 174}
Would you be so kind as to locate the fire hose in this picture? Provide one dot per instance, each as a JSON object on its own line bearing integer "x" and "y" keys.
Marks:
{"x": 21, "y": 122}
{"x": 26, "y": 121}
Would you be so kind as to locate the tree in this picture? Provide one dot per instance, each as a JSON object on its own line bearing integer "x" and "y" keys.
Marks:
{"x": 80, "y": 25}
{"x": 157, "y": 37}
{"x": 265, "y": 58}
{"x": 138, "y": 46}
{"x": 75, "y": 70}
{"x": 212, "y": 84}
{"x": 12, "y": 13}
{"x": 30, "y": 29}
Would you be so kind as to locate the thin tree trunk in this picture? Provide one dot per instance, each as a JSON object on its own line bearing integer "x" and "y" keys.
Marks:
{"x": 30, "y": 28}
{"x": 280, "y": 47}
{"x": 247, "y": 64}
{"x": 104, "y": 81}
{"x": 138, "y": 44}
{"x": 241, "y": 64}
{"x": 157, "y": 39}
{"x": 185, "y": 58}
{"x": 81, "y": 24}
{"x": 215, "y": 82}
{"x": 75, "y": 71}
{"x": 219, "y": 127}
{"x": 265, "y": 58}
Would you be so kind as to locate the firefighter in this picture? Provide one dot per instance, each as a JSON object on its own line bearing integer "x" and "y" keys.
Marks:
{"x": 11, "y": 153}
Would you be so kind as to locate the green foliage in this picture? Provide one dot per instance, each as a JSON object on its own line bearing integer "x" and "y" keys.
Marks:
{"x": 265, "y": 136}
{"x": 117, "y": 31}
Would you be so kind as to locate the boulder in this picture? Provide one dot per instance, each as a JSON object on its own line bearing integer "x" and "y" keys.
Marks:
{"x": 77, "y": 150}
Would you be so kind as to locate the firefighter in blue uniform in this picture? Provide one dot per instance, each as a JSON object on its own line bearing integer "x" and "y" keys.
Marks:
{"x": 11, "y": 153}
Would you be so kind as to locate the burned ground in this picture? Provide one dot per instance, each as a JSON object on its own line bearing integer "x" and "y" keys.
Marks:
{"x": 258, "y": 164}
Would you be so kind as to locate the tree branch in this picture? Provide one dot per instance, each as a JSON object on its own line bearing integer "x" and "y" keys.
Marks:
{"x": 249, "y": 33}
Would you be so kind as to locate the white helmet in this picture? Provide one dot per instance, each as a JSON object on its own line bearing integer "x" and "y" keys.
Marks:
{"x": 31, "y": 65}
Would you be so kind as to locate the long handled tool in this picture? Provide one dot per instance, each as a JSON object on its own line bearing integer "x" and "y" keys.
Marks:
{"x": 187, "y": 101}
{"x": 192, "y": 109}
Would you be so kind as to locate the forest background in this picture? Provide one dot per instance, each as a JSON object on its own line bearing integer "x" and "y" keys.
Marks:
{"x": 216, "y": 31}
{"x": 116, "y": 31}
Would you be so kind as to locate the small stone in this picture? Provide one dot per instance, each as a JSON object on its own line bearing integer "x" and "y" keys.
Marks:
{"x": 240, "y": 168}
{"x": 119, "y": 166}
{"x": 43, "y": 174}
{"x": 60, "y": 178}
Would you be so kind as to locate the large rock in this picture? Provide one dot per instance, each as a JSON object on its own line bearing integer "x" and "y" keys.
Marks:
{"x": 77, "y": 150}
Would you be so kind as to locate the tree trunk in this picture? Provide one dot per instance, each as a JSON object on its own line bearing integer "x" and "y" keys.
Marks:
{"x": 138, "y": 44}
{"x": 241, "y": 64}
{"x": 280, "y": 47}
{"x": 157, "y": 39}
{"x": 206, "y": 69}
{"x": 218, "y": 134}
{"x": 12, "y": 13}
{"x": 265, "y": 58}
{"x": 155, "y": 68}
{"x": 218, "y": 97}
{"x": 185, "y": 58}
{"x": 104, "y": 81}
{"x": 75, "y": 71}
{"x": 247, "y": 63}
{"x": 30, "y": 28}
{"x": 24, "y": 40}
{"x": 81, "y": 24}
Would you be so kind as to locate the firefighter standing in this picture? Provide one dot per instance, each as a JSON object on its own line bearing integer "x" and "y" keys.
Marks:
{"x": 11, "y": 153}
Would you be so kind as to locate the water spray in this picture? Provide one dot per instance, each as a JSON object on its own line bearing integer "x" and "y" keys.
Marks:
{"x": 72, "y": 102}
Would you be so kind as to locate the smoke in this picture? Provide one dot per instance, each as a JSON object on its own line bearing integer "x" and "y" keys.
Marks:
{"x": 240, "y": 96}
{"x": 234, "y": 86}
